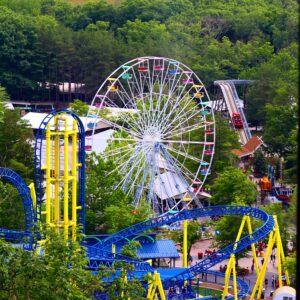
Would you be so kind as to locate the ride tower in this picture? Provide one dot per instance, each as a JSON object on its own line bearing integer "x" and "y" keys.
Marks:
{"x": 60, "y": 172}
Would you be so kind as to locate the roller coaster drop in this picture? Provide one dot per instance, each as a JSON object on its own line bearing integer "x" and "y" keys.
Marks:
{"x": 57, "y": 134}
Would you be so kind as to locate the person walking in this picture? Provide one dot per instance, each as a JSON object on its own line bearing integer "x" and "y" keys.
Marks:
{"x": 262, "y": 296}
{"x": 177, "y": 290}
{"x": 262, "y": 261}
{"x": 266, "y": 282}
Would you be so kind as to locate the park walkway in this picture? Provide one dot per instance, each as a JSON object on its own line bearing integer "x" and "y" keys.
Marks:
{"x": 245, "y": 262}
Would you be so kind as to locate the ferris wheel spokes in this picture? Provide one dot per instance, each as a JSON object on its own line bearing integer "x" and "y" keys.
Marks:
{"x": 163, "y": 130}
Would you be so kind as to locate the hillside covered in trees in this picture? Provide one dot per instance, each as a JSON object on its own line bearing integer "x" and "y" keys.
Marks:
{"x": 44, "y": 43}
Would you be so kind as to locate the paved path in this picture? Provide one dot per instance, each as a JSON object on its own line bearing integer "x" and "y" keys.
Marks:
{"x": 243, "y": 262}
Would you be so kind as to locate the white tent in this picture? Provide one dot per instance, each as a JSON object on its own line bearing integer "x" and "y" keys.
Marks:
{"x": 170, "y": 185}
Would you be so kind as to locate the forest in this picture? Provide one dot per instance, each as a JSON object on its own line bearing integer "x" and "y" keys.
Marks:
{"x": 44, "y": 43}
{"x": 48, "y": 42}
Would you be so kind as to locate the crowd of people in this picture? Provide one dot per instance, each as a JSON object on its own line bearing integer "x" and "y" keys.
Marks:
{"x": 180, "y": 293}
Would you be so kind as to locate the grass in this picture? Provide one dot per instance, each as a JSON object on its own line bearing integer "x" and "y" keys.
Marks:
{"x": 207, "y": 292}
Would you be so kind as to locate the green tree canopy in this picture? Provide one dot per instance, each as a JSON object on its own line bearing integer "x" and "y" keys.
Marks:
{"x": 16, "y": 150}
{"x": 233, "y": 186}
{"x": 79, "y": 107}
{"x": 109, "y": 209}
{"x": 60, "y": 274}
{"x": 11, "y": 208}
{"x": 226, "y": 140}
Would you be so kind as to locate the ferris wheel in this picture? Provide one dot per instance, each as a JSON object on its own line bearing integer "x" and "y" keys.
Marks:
{"x": 153, "y": 118}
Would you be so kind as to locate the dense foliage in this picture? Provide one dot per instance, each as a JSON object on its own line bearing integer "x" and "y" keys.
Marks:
{"x": 233, "y": 186}
{"x": 26, "y": 275}
{"x": 16, "y": 151}
{"x": 108, "y": 209}
{"x": 47, "y": 42}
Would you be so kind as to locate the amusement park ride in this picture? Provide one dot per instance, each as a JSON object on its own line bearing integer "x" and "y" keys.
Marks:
{"x": 164, "y": 151}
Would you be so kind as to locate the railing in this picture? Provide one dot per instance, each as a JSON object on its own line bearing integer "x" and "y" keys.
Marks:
{"x": 240, "y": 109}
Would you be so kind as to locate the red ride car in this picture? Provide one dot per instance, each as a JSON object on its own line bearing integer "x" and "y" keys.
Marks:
{"x": 236, "y": 120}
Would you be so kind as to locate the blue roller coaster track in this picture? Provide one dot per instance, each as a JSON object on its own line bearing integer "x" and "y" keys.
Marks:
{"x": 16, "y": 180}
{"x": 204, "y": 265}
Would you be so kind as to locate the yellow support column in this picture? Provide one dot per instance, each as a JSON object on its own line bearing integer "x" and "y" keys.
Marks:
{"x": 160, "y": 286}
{"x": 261, "y": 276}
{"x": 185, "y": 232}
{"x": 252, "y": 245}
{"x": 280, "y": 255}
{"x": 48, "y": 175}
{"x": 66, "y": 180}
{"x": 33, "y": 195}
{"x": 56, "y": 174}
{"x": 154, "y": 284}
{"x": 150, "y": 285}
{"x": 274, "y": 237}
{"x": 74, "y": 180}
{"x": 113, "y": 249}
{"x": 231, "y": 264}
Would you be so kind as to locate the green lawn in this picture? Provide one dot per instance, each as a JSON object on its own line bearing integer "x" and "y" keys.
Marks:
{"x": 207, "y": 292}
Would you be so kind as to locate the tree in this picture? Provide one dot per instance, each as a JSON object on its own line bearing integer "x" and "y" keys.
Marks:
{"x": 285, "y": 220}
{"x": 16, "y": 150}
{"x": 18, "y": 49}
{"x": 79, "y": 107}
{"x": 228, "y": 228}
{"x": 291, "y": 265}
{"x": 275, "y": 135}
{"x": 259, "y": 163}
{"x": 126, "y": 286}
{"x": 3, "y": 98}
{"x": 122, "y": 215}
{"x": 59, "y": 274}
{"x": 100, "y": 192}
{"x": 142, "y": 38}
{"x": 11, "y": 208}
{"x": 109, "y": 209}
{"x": 226, "y": 140}
{"x": 194, "y": 235}
{"x": 276, "y": 82}
{"x": 233, "y": 186}
{"x": 291, "y": 163}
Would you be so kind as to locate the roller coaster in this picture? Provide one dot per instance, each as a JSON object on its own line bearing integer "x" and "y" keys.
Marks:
{"x": 234, "y": 105}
